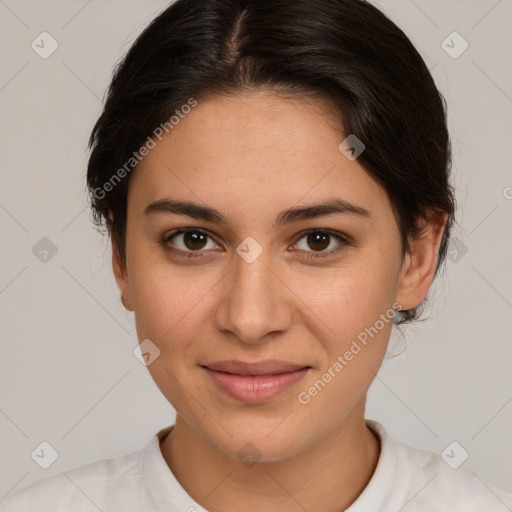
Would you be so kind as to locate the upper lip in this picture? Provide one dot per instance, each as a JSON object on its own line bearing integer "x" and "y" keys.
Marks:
{"x": 268, "y": 367}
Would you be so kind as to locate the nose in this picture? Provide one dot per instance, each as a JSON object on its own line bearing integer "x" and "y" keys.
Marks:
{"x": 255, "y": 301}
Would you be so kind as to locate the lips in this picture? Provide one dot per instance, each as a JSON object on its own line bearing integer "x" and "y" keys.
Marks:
{"x": 255, "y": 382}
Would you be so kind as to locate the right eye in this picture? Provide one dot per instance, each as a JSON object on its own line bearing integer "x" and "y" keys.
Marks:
{"x": 188, "y": 241}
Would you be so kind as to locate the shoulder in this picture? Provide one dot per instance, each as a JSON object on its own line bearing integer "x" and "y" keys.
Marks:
{"x": 436, "y": 483}
{"x": 101, "y": 485}
{"x": 441, "y": 483}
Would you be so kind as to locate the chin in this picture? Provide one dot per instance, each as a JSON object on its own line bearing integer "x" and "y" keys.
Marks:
{"x": 258, "y": 441}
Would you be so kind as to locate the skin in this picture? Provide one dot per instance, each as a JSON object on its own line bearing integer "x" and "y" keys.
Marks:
{"x": 250, "y": 157}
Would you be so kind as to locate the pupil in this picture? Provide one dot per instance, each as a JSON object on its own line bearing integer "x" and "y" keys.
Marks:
{"x": 314, "y": 238}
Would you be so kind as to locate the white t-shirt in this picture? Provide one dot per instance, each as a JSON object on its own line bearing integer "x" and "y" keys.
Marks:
{"x": 406, "y": 479}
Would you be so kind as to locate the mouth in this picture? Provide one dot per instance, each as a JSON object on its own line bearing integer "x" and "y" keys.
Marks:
{"x": 255, "y": 383}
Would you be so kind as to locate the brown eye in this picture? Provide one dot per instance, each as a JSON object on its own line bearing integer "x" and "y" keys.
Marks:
{"x": 189, "y": 240}
{"x": 194, "y": 240}
{"x": 320, "y": 241}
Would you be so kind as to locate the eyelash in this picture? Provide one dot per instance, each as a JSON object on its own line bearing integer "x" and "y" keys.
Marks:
{"x": 343, "y": 239}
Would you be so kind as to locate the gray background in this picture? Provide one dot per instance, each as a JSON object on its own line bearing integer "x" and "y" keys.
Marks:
{"x": 68, "y": 375}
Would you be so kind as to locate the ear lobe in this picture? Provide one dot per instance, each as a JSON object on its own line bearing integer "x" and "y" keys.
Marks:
{"x": 420, "y": 262}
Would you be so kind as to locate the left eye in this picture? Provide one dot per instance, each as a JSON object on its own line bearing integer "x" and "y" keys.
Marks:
{"x": 319, "y": 241}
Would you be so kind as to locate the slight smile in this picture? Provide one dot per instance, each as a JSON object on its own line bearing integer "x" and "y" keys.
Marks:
{"x": 255, "y": 383}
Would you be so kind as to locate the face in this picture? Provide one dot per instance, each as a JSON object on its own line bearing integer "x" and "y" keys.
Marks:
{"x": 312, "y": 289}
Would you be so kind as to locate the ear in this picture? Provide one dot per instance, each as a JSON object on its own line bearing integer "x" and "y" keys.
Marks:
{"x": 120, "y": 274}
{"x": 419, "y": 265}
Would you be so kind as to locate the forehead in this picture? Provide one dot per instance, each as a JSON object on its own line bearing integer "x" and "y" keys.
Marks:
{"x": 251, "y": 153}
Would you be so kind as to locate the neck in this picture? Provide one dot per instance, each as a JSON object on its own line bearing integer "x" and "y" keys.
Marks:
{"x": 327, "y": 477}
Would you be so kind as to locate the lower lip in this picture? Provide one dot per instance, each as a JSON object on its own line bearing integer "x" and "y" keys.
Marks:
{"x": 255, "y": 389}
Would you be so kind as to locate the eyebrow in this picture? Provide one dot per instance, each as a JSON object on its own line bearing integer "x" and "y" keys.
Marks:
{"x": 197, "y": 211}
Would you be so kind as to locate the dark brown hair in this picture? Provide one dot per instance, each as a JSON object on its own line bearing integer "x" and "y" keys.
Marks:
{"x": 345, "y": 51}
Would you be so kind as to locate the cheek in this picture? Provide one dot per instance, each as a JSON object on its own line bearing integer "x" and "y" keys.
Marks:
{"x": 358, "y": 312}
{"x": 353, "y": 308}
{"x": 170, "y": 307}
{"x": 168, "y": 302}
{"x": 351, "y": 297}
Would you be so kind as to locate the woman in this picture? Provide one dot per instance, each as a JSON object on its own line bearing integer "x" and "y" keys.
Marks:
{"x": 274, "y": 177}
